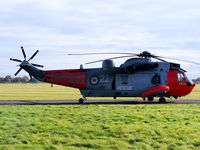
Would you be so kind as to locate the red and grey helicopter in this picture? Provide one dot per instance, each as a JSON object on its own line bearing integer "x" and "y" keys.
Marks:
{"x": 139, "y": 76}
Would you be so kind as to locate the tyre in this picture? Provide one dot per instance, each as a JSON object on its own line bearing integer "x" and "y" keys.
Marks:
{"x": 162, "y": 100}
{"x": 81, "y": 100}
{"x": 150, "y": 99}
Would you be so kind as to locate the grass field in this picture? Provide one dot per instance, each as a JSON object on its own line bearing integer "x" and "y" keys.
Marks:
{"x": 45, "y": 92}
{"x": 22, "y": 127}
{"x": 37, "y": 92}
{"x": 170, "y": 127}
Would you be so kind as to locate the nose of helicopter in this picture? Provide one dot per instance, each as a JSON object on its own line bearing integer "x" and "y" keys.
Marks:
{"x": 181, "y": 90}
{"x": 179, "y": 84}
{"x": 189, "y": 88}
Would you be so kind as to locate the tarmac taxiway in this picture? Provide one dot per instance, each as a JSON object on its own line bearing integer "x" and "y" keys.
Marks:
{"x": 93, "y": 102}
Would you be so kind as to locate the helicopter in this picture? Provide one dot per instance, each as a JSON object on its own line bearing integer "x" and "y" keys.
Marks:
{"x": 138, "y": 76}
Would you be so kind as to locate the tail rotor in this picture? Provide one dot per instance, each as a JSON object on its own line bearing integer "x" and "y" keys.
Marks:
{"x": 25, "y": 62}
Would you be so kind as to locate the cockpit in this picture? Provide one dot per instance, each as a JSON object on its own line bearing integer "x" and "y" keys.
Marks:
{"x": 181, "y": 77}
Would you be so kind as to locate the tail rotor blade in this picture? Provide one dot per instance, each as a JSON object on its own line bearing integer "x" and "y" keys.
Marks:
{"x": 17, "y": 60}
{"x": 23, "y": 52}
{"x": 37, "y": 65}
{"x": 33, "y": 55}
{"x": 18, "y": 71}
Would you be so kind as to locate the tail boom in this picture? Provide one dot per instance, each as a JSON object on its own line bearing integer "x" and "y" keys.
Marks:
{"x": 73, "y": 77}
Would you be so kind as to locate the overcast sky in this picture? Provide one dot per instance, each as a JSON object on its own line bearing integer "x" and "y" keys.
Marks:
{"x": 58, "y": 27}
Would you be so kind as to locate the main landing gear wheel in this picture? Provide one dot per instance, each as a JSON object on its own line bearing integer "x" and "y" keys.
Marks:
{"x": 150, "y": 99}
{"x": 81, "y": 100}
{"x": 162, "y": 100}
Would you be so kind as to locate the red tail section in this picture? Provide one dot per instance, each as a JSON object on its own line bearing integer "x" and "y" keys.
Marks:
{"x": 73, "y": 78}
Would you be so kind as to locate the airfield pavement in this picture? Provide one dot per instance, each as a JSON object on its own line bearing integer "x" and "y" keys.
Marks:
{"x": 94, "y": 102}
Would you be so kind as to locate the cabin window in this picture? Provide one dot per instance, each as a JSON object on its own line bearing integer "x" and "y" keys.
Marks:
{"x": 124, "y": 79}
{"x": 181, "y": 77}
{"x": 156, "y": 79}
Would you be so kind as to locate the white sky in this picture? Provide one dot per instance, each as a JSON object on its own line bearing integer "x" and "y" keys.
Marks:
{"x": 58, "y": 27}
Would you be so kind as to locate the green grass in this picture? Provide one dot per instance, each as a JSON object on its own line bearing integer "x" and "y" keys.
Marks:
{"x": 37, "y": 92}
{"x": 45, "y": 92}
{"x": 170, "y": 127}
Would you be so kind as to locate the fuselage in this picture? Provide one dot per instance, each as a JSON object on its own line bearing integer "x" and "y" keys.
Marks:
{"x": 125, "y": 81}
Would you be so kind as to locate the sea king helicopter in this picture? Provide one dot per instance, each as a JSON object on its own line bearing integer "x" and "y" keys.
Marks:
{"x": 138, "y": 76}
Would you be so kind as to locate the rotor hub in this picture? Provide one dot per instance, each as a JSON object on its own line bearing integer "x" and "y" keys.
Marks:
{"x": 145, "y": 54}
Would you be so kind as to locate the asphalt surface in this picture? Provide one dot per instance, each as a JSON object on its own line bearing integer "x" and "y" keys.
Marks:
{"x": 93, "y": 102}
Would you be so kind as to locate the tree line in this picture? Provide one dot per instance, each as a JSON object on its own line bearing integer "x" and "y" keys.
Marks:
{"x": 24, "y": 79}
{"x": 197, "y": 81}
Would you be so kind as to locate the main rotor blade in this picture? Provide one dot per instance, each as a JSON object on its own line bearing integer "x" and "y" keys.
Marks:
{"x": 17, "y": 60}
{"x": 23, "y": 52}
{"x": 37, "y": 65}
{"x": 187, "y": 61}
{"x": 106, "y": 59}
{"x": 156, "y": 57}
{"x": 134, "y": 54}
{"x": 18, "y": 71}
{"x": 105, "y": 53}
{"x": 33, "y": 55}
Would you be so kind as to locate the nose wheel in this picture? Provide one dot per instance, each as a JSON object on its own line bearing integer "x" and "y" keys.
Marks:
{"x": 162, "y": 100}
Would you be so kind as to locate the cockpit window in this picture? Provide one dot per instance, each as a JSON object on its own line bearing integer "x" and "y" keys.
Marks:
{"x": 181, "y": 77}
{"x": 188, "y": 79}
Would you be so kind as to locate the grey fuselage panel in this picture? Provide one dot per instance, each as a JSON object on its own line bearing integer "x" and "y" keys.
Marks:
{"x": 113, "y": 83}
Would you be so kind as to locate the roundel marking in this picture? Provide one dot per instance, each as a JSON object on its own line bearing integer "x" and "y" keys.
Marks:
{"x": 94, "y": 80}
